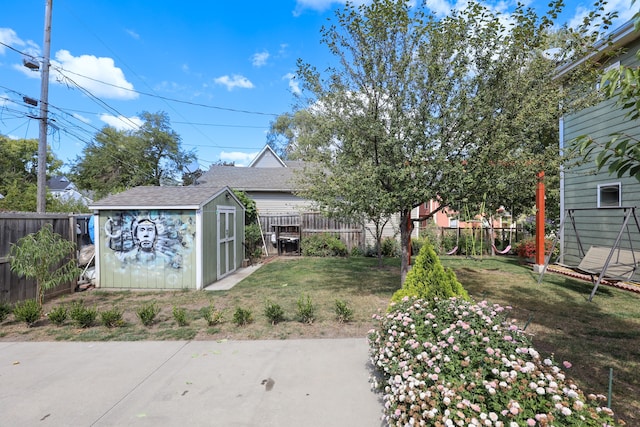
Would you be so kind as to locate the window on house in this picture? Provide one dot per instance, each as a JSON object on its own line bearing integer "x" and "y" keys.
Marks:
{"x": 609, "y": 195}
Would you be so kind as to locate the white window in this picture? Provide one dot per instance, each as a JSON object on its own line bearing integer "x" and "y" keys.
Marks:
{"x": 610, "y": 195}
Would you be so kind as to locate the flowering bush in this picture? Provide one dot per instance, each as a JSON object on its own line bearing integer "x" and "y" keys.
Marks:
{"x": 457, "y": 363}
{"x": 527, "y": 248}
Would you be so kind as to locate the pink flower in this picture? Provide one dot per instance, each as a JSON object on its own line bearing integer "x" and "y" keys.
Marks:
{"x": 566, "y": 364}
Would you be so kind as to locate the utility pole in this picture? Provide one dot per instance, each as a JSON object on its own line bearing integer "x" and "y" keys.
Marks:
{"x": 44, "y": 107}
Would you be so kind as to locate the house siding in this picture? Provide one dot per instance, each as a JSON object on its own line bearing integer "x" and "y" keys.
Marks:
{"x": 271, "y": 203}
{"x": 598, "y": 227}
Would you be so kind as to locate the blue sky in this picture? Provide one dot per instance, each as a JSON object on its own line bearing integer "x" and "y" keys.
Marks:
{"x": 221, "y": 70}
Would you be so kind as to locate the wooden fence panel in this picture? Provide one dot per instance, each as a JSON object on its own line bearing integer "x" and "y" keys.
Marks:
{"x": 14, "y": 226}
{"x": 312, "y": 223}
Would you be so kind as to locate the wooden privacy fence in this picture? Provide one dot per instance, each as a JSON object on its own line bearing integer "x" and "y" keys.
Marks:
{"x": 308, "y": 224}
{"x": 16, "y": 225}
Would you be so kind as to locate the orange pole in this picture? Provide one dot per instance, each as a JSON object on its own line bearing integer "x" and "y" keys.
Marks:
{"x": 540, "y": 219}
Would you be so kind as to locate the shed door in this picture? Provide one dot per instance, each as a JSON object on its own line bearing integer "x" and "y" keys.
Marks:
{"x": 226, "y": 240}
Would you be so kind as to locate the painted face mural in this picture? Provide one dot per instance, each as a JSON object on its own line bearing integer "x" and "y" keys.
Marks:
{"x": 143, "y": 237}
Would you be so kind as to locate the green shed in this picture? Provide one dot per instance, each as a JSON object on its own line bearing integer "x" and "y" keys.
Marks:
{"x": 167, "y": 237}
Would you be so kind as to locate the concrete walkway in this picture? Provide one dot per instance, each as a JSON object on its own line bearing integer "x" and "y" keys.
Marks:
{"x": 232, "y": 279}
{"x": 309, "y": 383}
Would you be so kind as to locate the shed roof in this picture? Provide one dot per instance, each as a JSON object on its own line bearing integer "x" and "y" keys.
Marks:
{"x": 192, "y": 197}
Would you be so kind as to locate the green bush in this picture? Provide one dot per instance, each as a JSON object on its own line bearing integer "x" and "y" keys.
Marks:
{"x": 253, "y": 241}
{"x": 273, "y": 312}
{"x": 5, "y": 310}
{"x": 306, "y": 310}
{"x": 112, "y": 318}
{"x": 83, "y": 317}
{"x": 147, "y": 313}
{"x": 344, "y": 313}
{"x": 212, "y": 315}
{"x": 58, "y": 315}
{"x": 428, "y": 279}
{"x": 180, "y": 316}
{"x": 242, "y": 316}
{"x": 356, "y": 251}
{"x": 390, "y": 247}
{"x": 27, "y": 311}
{"x": 324, "y": 245}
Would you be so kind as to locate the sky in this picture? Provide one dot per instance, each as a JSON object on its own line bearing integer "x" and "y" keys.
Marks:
{"x": 221, "y": 70}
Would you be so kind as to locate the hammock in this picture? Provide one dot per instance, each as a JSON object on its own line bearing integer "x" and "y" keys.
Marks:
{"x": 502, "y": 252}
{"x": 453, "y": 251}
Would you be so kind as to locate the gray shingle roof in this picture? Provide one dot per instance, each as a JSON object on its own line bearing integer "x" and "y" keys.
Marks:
{"x": 160, "y": 197}
{"x": 252, "y": 179}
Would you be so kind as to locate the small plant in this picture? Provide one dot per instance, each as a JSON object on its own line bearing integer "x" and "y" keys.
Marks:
{"x": 58, "y": 315}
{"x": 306, "y": 310}
{"x": 180, "y": 316}
{"x": 344, "y": 313}
{"x": 83, "y": 317}
{"x": 112, "y": 318}
{"x": 212, "y": 315}
{"x": 147, "y": 313}
{"x": 5, "y": 310}
{"x": 28, "y": 311}
{"x": 274, "y": 312}
{"x": 242, "y": 317}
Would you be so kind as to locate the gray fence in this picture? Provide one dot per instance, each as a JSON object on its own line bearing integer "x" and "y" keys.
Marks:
{"x": 308, "y": 224}
{"x": 15, "y": 226}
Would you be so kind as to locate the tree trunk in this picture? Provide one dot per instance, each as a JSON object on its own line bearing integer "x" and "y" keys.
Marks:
{"x": 405, "y": 240}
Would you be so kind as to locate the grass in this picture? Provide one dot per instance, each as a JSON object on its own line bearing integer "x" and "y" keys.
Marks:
{"x": 593, "y": 336}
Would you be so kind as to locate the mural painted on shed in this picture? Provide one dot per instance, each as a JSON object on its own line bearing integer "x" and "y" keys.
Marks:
{"x": 148, "y": 249}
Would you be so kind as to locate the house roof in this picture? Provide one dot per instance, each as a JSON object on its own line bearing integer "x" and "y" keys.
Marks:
{"x": 58, "y": 183}
{"x": 264, "y": 155}
{"x": 617, "y": 38}
{"x": 278, "y": 179}
{"x": 192, "y": 197}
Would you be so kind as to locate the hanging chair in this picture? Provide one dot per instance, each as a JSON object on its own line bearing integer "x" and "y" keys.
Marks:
{"x": 453, "y": 251}
{"x": 502, "y": 252}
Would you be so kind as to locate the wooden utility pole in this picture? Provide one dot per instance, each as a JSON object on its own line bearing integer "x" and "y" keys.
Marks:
{"x": 44, "y": 108}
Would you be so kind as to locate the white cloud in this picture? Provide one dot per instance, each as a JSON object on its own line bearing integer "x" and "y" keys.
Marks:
{"x": 81, "y": 118}
{"x": 133, "y": 34}
{"x": 234, "y": 82}
{"x": 122, "y": 122}
{"x": 624, "y": 8}
{"x": 260, "y": 59}
{"x": 10, "y": 37}
{"x": 238, "y": 158}
{"x": 98, "y": 75}
{"x": 294, "y": 84}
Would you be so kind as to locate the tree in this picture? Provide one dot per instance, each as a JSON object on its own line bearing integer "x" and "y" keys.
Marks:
{"x": 41, "y": 256}
{"x": 19, "y": 174}
{"x": 117, "y": 160}
{"x": 415, "y": 108}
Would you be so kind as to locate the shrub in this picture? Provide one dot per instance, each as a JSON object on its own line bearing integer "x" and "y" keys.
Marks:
{"x": 447, "y": 362}
{"x": 428, "y": 279}
{"x": 28, "y": 311}
{"x": 253, "y": 241}
{"x": 344, "y": 313}
{"x": 212, "y": 315}
{"x": 306, "y": 310}
{"x": 147, "y": 313}
{"x": 356, "y": 251}
{"x": 390, "y": 247}
{"x": 527, "y": 248}
{"x": 5, "y": 310}
{"x": 82, "y": 316}
{"x": 58, "y": 315}
{"x": 112, "y": 318}
{"x": 242, "y": 316}
{"x": 180, "y": 316}
{"x": 324, "y": 245}
{"x": 273, "y": 312}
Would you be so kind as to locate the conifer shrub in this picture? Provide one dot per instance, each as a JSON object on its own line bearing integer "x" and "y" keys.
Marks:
{"x": 5, "y": 310}
{"x": 28, "y": 311}
{"x": 428, "y": 279}
{"x": 58, "y": 315}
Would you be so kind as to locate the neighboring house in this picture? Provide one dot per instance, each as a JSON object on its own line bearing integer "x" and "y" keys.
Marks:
{"x": 167, "y": 237}
{"x": 61, "y": 188}
{"x": 597, "y": 199}
{"x": 271, "y": 183}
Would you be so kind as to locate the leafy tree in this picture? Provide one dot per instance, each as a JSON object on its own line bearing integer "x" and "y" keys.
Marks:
{"x": 420, "y": 108}
{"x": 41, "y": 256}
{"x": 118, "y": 160}
{"x": 19, "y": 173}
